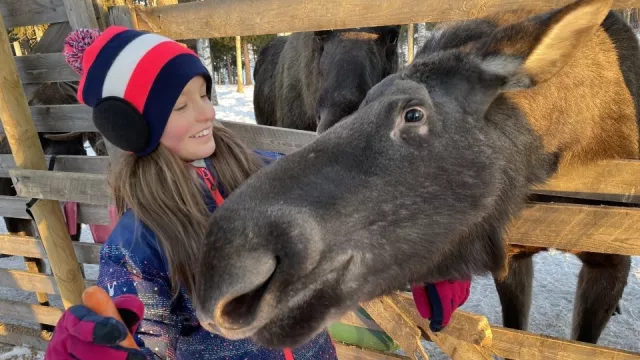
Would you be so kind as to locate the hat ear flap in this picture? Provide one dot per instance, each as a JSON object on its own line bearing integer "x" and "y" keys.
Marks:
{"x": 121, "y": 124}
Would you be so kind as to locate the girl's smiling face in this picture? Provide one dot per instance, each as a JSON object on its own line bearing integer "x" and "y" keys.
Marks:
{"x": 188, "y": 133}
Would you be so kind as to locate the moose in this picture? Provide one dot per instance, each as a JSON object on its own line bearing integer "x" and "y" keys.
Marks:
{"x": 310, "y": 80}
{"x": 419, "y": 183}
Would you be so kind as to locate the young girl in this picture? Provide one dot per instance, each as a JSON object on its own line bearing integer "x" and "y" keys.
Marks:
{"x": 151, "y": 97}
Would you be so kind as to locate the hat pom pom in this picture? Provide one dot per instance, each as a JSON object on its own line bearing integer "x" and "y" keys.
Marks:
{"x": 75, "y": 44}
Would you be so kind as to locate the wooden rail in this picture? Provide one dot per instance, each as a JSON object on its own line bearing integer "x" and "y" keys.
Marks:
{"x": 515, "y": 344}
{"x": 204, "y": 19}
{"x": 64, "y": 163}
{"x": 31, "y": 12}
{"x": 87, "y": 253}
{"x": 22, "y": 311}
{"x": 41, "y": 68}
{"x": 23, "y": 280}
{"x": 602, "y": 229}
{"x": 14, "y": 207}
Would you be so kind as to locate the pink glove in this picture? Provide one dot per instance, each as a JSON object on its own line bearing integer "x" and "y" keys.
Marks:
{"x": 82, "y": 334}
{"x": 438, "y": 301}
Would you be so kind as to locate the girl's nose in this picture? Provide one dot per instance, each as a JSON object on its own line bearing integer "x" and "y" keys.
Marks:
{"x": 205, "y": 112}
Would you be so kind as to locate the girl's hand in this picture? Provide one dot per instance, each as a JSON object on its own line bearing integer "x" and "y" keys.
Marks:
{"x": 83, "y": 334}
{"x": 438, "y": 301}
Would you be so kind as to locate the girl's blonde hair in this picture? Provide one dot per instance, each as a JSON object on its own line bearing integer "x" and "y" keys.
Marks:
{"x": 167, "y": 197}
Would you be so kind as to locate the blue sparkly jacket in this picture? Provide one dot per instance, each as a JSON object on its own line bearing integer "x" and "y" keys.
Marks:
{"x": 132, "y": 262}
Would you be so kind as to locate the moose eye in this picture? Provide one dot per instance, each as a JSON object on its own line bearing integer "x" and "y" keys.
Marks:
{"x": 414, "y": 115}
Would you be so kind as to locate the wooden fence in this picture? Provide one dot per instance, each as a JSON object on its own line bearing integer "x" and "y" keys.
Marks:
{"x": 606, "y": 229}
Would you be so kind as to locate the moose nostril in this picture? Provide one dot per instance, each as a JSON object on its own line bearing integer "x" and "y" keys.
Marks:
{"x": 242, "y": 310}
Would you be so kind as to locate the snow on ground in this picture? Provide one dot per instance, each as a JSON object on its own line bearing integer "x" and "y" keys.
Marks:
{"x": 553, "y": 291}
{"x": 234, "y": 106}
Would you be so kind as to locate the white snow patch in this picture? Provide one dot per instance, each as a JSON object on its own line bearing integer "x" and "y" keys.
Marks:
{"x": 20, "y": 352}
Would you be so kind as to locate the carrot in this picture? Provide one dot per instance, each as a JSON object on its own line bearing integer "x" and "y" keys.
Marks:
{"x": 96, "y": 299}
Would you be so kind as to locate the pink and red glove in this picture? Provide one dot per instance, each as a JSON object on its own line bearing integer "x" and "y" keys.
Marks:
{"x": 82, "y": 334}
{"x": 438, "y": 301}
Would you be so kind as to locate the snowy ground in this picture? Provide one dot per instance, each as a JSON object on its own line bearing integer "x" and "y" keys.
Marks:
{"x": 553, "y": 291}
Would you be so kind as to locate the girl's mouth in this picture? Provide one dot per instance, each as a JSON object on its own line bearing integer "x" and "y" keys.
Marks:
{"x": 202, "y": 133}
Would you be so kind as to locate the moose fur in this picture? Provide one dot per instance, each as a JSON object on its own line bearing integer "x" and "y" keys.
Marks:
{"x": 311, "y": 80}
{"x": 420, "y": 182}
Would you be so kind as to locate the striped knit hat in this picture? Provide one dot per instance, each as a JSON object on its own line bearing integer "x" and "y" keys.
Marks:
{"x": 132, "y": 80}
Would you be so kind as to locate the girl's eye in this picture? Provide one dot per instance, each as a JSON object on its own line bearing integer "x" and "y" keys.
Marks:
{"x": 204, "y": 96}
{"x": 413, "y": 115}
{"x": 180, "y": 108}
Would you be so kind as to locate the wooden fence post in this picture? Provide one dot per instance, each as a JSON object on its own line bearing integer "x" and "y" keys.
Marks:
{"x": 27, "y": 152}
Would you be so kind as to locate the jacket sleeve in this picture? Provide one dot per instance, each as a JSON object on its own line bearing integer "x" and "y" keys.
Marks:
{"x": 130, "y": 263}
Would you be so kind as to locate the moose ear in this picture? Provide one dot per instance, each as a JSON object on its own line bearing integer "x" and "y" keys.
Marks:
{"x": 540, "y": 46}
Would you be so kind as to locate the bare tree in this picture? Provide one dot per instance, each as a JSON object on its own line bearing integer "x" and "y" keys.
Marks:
{"x": 421, "y": 35}
{"x": 247, "y": 64}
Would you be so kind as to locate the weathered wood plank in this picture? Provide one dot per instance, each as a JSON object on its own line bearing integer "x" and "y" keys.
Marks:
{"x": 32, "y": 282}
{"x": 62, "y": 118}
{"x": 613, "y": 180}
{"x": 22, "y": 335}
{"x": 65, "y": 163}
{"x": 347, "y": 352}
{"x": 30, "y": 312}
{"x": 599, "y": 229}
{"x": 397, "y": 325}
{"x": 41, "y": 184}
{"x": 31, "y": 12}
{"x": 41, "y": 68}
{"x": 87, "y": 253}
{"x": 14, "y": 207}
{"x": 472, "y": 328}
{"x": 204, "y": 19}
{"x": 465, "y": 338}
{"x": 80, "y": 14}
{"x": 52, "y": 41}
{"x": 521, "y": 345}
{"x": 270, "y": 138}
{"x": 355, "y": 319}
